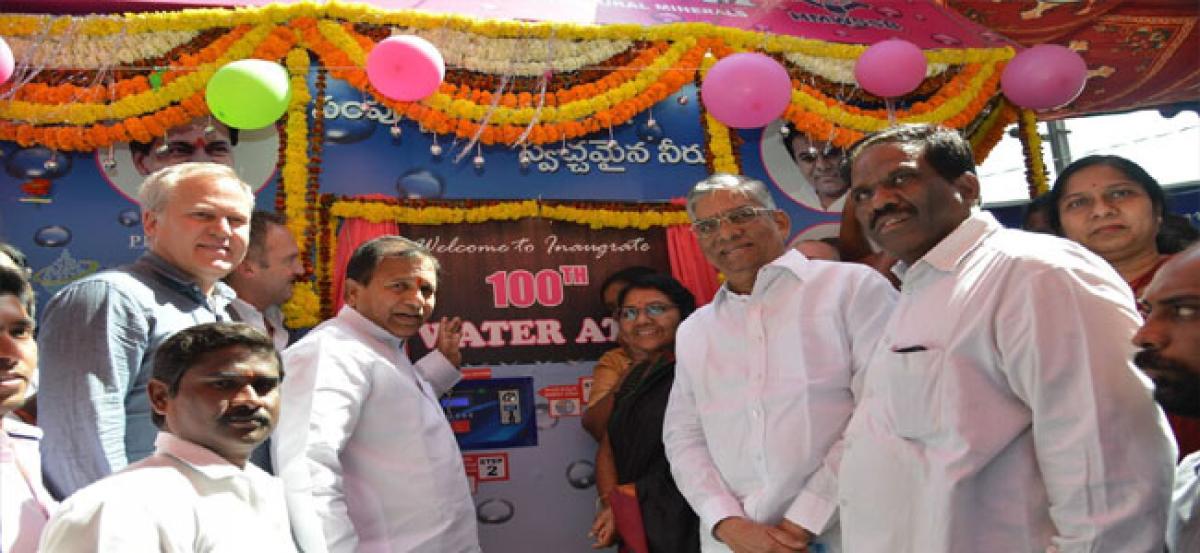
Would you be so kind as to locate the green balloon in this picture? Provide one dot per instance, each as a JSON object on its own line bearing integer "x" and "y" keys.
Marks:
{"x": 248, "y": 94}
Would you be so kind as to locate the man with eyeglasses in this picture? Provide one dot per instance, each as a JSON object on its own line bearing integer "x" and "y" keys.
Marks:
{"x": 820, "y": 163}
{"x": 767, "y": 377}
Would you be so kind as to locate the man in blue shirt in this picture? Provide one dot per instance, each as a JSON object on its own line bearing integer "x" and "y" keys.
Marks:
{"x": 98, "y": 334}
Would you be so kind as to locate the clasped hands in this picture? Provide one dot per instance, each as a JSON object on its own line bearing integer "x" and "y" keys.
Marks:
{"x": 743, "y": 535}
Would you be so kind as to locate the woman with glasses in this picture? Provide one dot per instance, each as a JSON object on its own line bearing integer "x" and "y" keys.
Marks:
{"x": 649, "y": 311}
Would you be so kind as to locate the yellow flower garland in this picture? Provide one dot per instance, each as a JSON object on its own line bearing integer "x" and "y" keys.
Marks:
{"x": 303, "y": 308}
{"x": 719, "y": 145}
{"x": 838, "y": 115}
{"x": 1031, "y": 142}
{"x": 376, "y": 212}
{"x": 136, "y": 104}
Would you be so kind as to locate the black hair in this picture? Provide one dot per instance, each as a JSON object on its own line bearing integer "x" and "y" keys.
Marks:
{"x": 626, "y": 275}
{"x": 14, "y": 283}
{"x": 1175, "y": 234}
{"x": 188, "y": 347}
{"x": 671, "y": 288}
{"x": 944, "y": 149}
{"x": 1040, "y": 204}
{"x": 260, "y": 222}
{"x": 366, "y": 257}
{"x": 1131, "y": 170}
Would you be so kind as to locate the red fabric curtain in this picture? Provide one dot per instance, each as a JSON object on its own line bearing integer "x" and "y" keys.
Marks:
{"x": 688, "y": 264}
{"x": 352, "y": 234}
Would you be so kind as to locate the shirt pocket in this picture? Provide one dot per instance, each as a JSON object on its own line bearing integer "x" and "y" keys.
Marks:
{"x": 914, "y": 392}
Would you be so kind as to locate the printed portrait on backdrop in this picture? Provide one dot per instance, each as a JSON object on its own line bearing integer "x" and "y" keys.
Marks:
{"x": 252, "y": 154}
{"x": 803, "y": 168}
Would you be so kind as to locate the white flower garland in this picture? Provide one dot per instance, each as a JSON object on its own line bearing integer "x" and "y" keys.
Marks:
{"x": 842, "y": 70}
{"x": 517, "y": 56}
{"x": 79, "y": 51}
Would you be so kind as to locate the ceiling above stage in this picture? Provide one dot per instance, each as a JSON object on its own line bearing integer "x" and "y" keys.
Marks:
{"x": 1140, "y": 54}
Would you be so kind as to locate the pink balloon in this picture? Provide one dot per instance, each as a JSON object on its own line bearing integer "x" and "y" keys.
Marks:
{"x": 405, "y": 68}
{"x": 1044, "y": 77}
{"x": 7, "y": 63}
{"x": 746, "y": 90}
{"x": 890, "y": 68}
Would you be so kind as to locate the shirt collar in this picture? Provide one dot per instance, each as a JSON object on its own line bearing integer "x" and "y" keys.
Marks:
{"x": 199, "y": 458}
{"x": 246, "y": 310}
{"x": 356, "y": 320}
{"x": 956, "y": 246}
{"x": 18, "y": 429}
{"x": 182, "y": 281}
{"x": 790, "y": 263}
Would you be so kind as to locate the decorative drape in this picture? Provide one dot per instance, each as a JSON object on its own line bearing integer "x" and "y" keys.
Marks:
{"x": 688, "y": 264}
{"x": 354, "y": 232}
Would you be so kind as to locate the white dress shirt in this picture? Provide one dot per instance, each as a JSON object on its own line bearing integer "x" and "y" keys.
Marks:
{"x": 364, "y": 448}
{"x": 1183, "y": 526}
{"x": 1001, "y": 412}
{"x": 250, "y": 315}
{"x": 182, "y": 499}
{"x": 765, "y": 384}
{"x": 25, "y": 505}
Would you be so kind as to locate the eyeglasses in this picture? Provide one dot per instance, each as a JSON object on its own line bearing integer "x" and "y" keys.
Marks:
{"x": 737, "y": 216}
{"x": 810, "y": 155}
{"x": 651, "y": 310}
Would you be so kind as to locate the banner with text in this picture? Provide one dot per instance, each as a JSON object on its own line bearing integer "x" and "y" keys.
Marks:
{"x": 528, "y": 291}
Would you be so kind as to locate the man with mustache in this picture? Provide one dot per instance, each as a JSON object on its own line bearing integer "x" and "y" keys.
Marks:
{"x": 1170, "y": 355}
{"x": 1000, "y": 412}
{"x": 767, "y": 376}
{"x": 215, "y": 396}
{"x": 99, "y": 333}
{"x": 263, "y": 283}
{"x": 369, "y": 461}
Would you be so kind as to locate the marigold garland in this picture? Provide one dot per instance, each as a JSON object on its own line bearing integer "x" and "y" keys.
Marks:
{"x": 720, "y": 148}
{"x": 328, "y": 29}
{"x": 991, "y": 130}
{"x": 1031, "y": 145}
{"x": 376, "y": 212}
{"x": 303, "y": 308}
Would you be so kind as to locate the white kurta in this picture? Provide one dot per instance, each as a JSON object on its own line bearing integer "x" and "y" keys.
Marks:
{"x": 182, "y": 499}
{"x": 1183, "y": 526}
{"x": 25, "y": 505}
{"x": 765, "y": 384}
{"x": 1001, "y": 412}
{"x": 364, "y": 448}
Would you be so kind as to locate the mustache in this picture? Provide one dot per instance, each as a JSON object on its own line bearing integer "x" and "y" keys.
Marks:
{"x": 890, "y": 209}
{"x": 1153, "y": 360}
{"x": 245, "y": 414}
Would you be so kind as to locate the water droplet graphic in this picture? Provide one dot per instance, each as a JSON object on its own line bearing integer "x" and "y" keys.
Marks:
{"x": 420, "y": 183}
{"x": 129, "y": 217}
{"x": 30, "y": 163}
{"x": 581, "y": 474}
{"x": 494, "y": 511}
{"x": 650, "y": 132}
{"x": 52, "y": 236}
